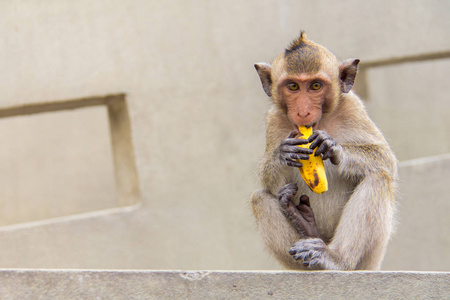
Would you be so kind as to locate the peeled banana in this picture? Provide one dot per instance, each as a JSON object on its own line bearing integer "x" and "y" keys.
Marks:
{"x": 313, "y": 170}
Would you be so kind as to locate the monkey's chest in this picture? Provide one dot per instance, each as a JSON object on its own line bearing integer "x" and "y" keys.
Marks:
{"x": 328, "y": 207}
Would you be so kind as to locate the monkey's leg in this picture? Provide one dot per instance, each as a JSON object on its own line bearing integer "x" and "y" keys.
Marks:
{"x": 276, "y": 231}
{"x": 362, "y": 234}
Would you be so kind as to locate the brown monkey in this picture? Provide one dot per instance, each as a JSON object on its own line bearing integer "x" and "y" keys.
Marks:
{"x": 349, "y": 226}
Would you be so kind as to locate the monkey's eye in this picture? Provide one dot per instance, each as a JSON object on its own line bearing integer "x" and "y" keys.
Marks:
{"x": 316, "y": 86}
{"x": 293, "y": 86}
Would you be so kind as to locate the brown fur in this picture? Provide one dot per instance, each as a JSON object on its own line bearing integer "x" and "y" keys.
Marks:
{"x": 355, "y": 216}
{"x": 302, "y": 56}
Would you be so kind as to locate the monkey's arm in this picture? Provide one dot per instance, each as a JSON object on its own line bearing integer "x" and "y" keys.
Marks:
{"x": 360, "y": 159}
{"x": 355, "y": 159}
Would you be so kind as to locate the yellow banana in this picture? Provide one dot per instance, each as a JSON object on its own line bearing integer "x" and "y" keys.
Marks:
{"x": 313, "y": 170}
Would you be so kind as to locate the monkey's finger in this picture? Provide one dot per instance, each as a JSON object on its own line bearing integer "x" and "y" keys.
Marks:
{"x": 295, "y": 164}
{"x": 293, "y": 134}
{"x": 314, "y": 244}
{"x": 317, "y": 138}
{"x": 316, "y": 143}
{"x": 294, "y": 142}
{"x": 316, "y": 254}
{"x": 294, "y": 156}
{"x": 283, "y": 202}
{"x": 324, "y": 147}
{"x": 286, "y": 193}
{"x": 289, "y": 188}
{"x": 291, "y": 212}
{"x": 295, "y": 149}
{"x": 304, "y": 256}
{"x": 300, "y": 254}
{"x": 313, "y": 136}
{"x": 286, "y": 159}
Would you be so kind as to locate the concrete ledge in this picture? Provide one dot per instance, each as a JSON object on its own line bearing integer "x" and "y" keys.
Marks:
{"x": 102, "y": 284}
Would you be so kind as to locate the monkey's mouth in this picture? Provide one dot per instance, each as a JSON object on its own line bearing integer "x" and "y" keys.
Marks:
{"x": 314, "y": 126}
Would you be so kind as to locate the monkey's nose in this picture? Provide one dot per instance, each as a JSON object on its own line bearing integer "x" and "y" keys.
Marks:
{"x": 303, "y": 114}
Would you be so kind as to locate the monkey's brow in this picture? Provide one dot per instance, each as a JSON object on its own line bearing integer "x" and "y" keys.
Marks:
{"x": 305, "y": 77}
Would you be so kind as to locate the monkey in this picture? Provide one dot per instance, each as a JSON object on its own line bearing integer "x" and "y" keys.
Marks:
{"x": 349, "y": 226}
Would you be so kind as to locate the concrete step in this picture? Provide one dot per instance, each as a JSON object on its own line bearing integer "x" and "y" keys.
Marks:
{"x": 129, "y": 284}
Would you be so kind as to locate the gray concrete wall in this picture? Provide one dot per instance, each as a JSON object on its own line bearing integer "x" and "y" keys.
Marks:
{"x": 49, "y": 158}
{"x": 196, "y": 111}
{"x": 423, "y": 222}
{"x": 410, "y": 104}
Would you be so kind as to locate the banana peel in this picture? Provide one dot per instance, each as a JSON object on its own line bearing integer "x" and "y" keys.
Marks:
{"x": 313, "y": 170}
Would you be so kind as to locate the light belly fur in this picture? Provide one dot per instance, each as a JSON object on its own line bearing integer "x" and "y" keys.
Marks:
{"x": 327, "y": 207}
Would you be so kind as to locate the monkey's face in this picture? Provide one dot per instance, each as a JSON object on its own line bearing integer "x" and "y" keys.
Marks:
{"x": 304, "y": 96}
{"x": 306, "y": 81}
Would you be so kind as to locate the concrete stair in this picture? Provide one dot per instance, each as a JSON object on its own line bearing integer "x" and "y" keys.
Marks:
{"x": 128, "y": 284}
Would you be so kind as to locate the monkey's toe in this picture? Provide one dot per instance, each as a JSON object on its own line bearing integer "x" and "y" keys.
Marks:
{"x": 309, "y": 252}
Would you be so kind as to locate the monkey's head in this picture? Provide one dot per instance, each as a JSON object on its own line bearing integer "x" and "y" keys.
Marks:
{"x": 306, "y": 81}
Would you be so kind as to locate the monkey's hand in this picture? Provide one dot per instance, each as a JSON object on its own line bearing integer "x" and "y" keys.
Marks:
{"x": 301, "y": 216}
{"x": 290, "y": 152}
{"x": 311, "y": 252}
{"x": 326, "y": 146}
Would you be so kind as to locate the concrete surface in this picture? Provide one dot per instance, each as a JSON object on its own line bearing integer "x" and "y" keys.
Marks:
{"x": 196, "y": 111}
{"x": 409, "y": 109}
{"x": 94, "y": 284}
{"x": 422, "y": 238}
{"x": 44, "y": 154}
{"x": 30, "y": 190}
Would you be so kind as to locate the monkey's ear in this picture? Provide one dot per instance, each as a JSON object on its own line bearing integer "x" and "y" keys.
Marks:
{"x": 347, "y": 74}
{"x": 264, "y": 72}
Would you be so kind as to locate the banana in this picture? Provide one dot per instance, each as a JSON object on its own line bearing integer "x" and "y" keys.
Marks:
{"x": 313, "y": 170}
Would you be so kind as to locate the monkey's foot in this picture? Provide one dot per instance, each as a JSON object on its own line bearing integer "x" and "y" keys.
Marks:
{"x": 311, "y": 253}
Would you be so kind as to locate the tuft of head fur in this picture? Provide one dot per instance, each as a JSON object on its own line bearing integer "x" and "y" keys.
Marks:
{"x": 303, "y": 56}
{"x": 300, "y": 42}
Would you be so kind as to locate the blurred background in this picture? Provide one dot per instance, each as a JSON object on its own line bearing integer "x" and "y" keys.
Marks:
{"x": 195, "y": 114}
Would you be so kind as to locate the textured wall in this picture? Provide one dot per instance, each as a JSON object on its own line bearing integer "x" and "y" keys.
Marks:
{"x": 197, "y": 114}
